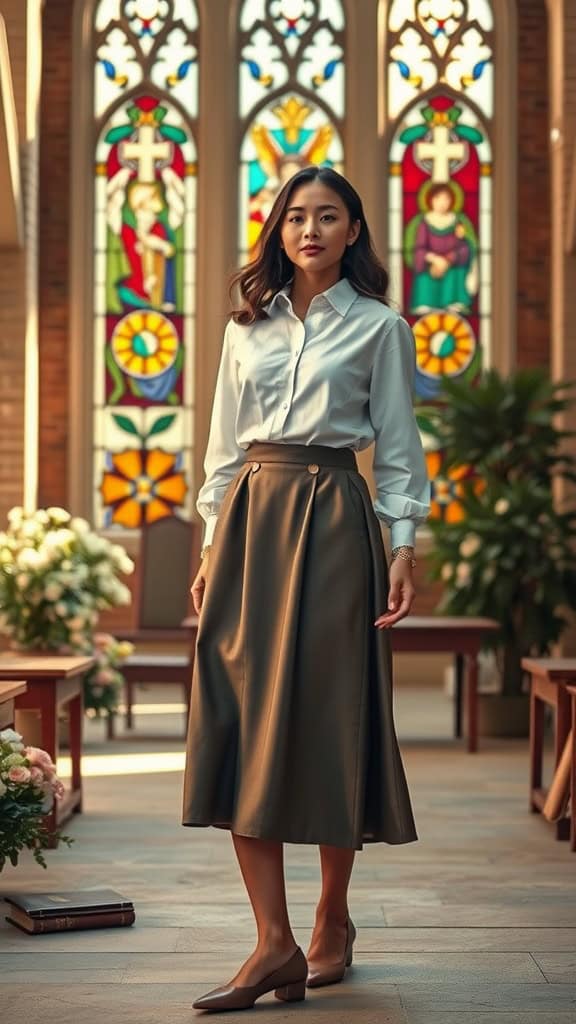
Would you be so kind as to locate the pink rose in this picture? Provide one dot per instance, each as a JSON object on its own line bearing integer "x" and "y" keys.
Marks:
{"x": 48, "y": 801}
{"x": 19, "y": 774}
{"x": 40, "y": 758}
{"x": 103, "y": 640}
{"x": 105, "y": 676}
{"x": 37, "y": 776}
{"x": 57, "y": 787}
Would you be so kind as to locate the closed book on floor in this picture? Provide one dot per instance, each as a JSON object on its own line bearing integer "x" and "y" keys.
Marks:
{"x": 66, "y": 904}
{"x": 70, "y": 922}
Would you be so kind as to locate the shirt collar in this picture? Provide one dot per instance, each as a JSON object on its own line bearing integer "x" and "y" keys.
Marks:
{"x": 340, "y": 296}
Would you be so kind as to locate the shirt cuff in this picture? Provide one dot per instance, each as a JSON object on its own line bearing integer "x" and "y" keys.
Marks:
{"x": 403, "y": 531}
{"x": 209, "y": 530}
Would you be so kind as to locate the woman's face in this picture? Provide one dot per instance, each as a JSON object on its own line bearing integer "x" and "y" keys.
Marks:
{"x": 317, "y": 228}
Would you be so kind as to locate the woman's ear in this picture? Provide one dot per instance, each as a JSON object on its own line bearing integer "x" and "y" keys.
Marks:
{"x": 353, "y": 233}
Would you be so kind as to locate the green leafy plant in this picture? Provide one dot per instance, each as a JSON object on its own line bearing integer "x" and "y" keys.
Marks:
{"x": 512, "y": 556}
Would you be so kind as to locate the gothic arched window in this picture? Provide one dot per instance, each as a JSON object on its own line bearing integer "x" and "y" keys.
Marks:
{"x": 439, "y": 125}
{"x": 145, "y": 103}
{"x": 291, "y": 99}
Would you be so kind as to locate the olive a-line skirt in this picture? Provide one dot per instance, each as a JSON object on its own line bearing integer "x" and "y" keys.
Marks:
{"x": 291, "y": 734}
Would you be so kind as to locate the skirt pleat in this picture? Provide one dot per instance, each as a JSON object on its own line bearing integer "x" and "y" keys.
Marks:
{"x": 291, "y": 734}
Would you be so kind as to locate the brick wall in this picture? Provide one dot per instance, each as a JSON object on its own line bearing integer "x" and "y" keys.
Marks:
{"x": 54, "y": 295}
{"x": 533, "y": 290}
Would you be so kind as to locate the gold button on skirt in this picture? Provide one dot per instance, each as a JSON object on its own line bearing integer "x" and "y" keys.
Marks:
{"x": 291, "y": 734}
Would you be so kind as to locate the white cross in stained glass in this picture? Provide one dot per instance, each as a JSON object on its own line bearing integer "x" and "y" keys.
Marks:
{"x": 441, "y": 151}
{"x": 146, "y": 151}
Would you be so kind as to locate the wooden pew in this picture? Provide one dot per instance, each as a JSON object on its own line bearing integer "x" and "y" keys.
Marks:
{"x": 549, "y": 678}
{"x": 458, "y": 635}
{"x": 8, "y": 694}
{"x": 572, "y": 693}
{"x": 53, "y": 682}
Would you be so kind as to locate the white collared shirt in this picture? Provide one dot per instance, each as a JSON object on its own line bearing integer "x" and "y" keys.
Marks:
{"x": 342, "y": 378}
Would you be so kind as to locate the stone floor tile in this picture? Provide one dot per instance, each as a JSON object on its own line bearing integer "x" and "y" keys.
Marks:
{"x": 449, "y": 940}
{"x": 60, "y": 976}
{"x": 444, "y": 968}
{"x": 132, "y": 939}
{"x": 478, "y": 915}
{"x": 558, "y": 967}
{"x": 473, "y": 1017}
{"x": 151, "y": 1004}
{"x": 482, "y": 998}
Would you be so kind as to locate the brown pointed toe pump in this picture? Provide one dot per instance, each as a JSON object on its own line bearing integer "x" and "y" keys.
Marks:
{"x": 330, "y": 974}
{"x": 288, "y": 983}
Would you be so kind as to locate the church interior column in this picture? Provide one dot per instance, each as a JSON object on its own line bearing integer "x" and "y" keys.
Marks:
{"x": 562, "y": 15}
{"x": 218, "y": 145}
{"x": 21, "y": 61}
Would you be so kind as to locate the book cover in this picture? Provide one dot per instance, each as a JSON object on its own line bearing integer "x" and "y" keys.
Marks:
{"x": 70, "y": 922}
{"x": 60, "y": 904}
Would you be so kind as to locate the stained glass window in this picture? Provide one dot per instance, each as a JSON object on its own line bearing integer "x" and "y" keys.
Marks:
{"x": 145, "y": 110}
{"x": 440, "y": 105}
{"x": 291, "y": 98}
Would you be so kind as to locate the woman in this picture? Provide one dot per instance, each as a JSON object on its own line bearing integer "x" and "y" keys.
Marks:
{"x": 291, "y": 735}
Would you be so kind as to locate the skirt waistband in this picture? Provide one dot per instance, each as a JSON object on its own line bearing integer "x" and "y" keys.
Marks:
{"x": 305, "y": 454}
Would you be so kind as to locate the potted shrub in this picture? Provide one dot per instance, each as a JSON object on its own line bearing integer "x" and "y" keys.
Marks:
{"x": 509, "y": 552}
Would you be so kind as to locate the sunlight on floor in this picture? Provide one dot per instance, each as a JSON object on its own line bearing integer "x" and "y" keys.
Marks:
{"x": 125, "y": 764}
{"x": 153, "y": 709}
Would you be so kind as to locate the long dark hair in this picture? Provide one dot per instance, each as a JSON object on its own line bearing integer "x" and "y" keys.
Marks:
{"x": 259, "y": 280}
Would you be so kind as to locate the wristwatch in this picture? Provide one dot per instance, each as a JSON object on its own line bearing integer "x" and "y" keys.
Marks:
{"x": 404, "y": 552}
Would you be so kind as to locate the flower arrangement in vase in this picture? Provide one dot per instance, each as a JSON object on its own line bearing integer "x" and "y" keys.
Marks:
{"x": 28, "y": 787}
{"x": 56, "y": 576}
{"x": 102, "y": 684}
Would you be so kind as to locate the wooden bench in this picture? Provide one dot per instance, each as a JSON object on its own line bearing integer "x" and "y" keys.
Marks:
{"x": 548, "y": 685}
{"x": 167, "y": 666}
{"x": 572, "y": 693}
{"x": 165, "y": 647}
{"x": 457, "y": 635}
{"x": 8, "y": 694}
{"x": 53, "y": 682}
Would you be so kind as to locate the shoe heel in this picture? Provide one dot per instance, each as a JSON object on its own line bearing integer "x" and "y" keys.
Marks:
{"x": 292, "y": 993}
{"x": 349, "y": 959}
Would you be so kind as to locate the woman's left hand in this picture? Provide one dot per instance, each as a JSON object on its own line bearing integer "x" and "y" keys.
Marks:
{"x": 400, "y": 595}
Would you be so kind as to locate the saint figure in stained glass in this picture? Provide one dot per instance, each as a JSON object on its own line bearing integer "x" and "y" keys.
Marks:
{"x": 438, "y": 153}
{"x": 283, "y": 139}
{"x": 441, "y": 248}
{"x": 145, "y": 169}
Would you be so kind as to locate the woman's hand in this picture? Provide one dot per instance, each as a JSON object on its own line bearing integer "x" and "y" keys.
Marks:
{"x": 401, "y": 593}
{"x": 199, "y": 585}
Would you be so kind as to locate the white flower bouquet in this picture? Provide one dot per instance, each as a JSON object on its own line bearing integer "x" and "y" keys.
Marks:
{"x": 56, "y": 575}
{"x": 28, "y": 787}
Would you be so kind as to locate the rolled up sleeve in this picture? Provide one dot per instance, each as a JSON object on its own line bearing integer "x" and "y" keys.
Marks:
{"x": 224, "y": 456}
{"x": 402, "y": 486}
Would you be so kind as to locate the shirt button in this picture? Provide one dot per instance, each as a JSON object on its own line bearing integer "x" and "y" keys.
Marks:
{"x": 255, "y": 467}
{"x": 313, "y": 468}
{"x": 285, "y": 405}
